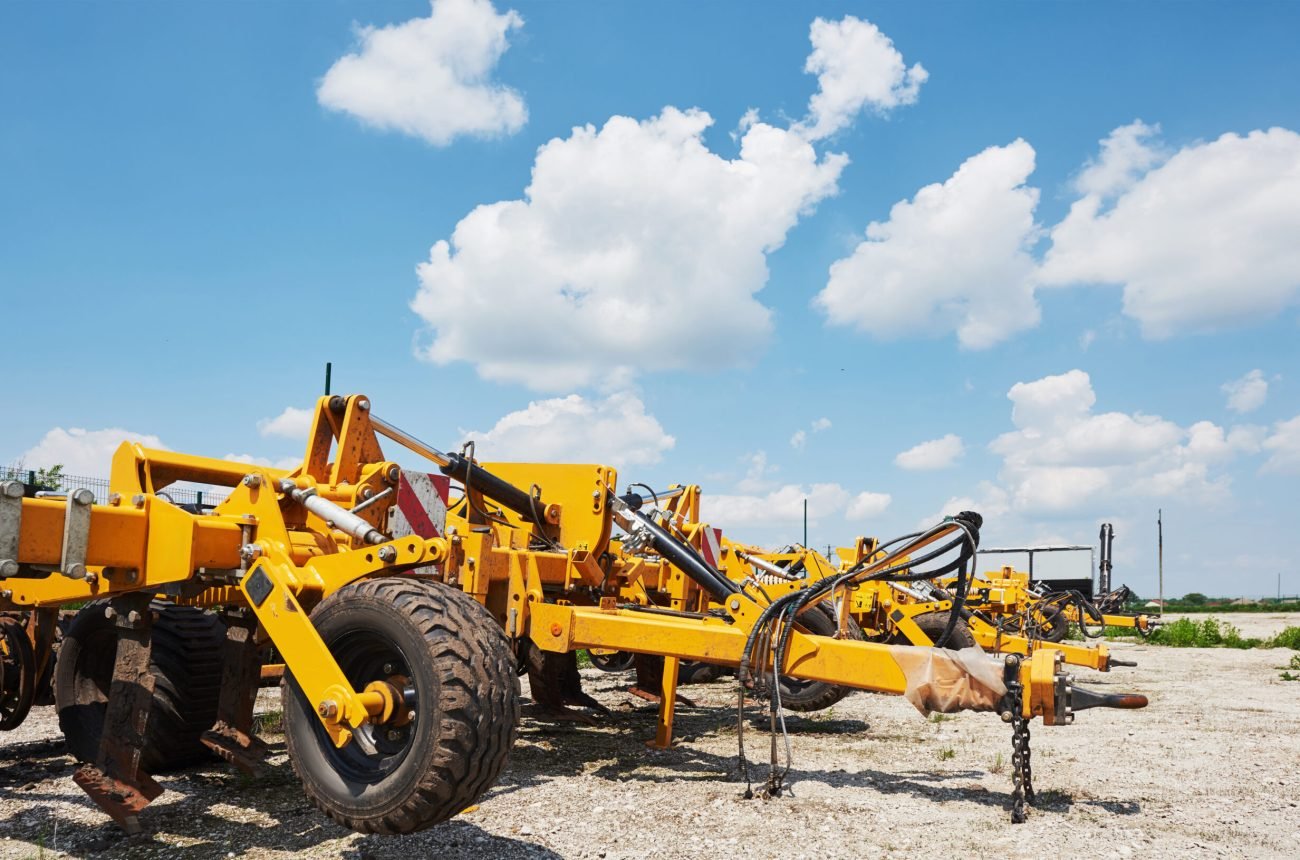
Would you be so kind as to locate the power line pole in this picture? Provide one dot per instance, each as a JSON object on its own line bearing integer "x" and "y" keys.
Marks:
{"x": 1160, "y": 555}
{"x": 805, "y": 522}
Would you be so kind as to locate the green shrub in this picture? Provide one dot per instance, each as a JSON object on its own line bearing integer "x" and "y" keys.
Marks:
{"x": 1208, "y": 633}
{"x": 1288, "y": 638}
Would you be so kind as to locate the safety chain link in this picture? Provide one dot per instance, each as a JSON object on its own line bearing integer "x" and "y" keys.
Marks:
{"x": 1022, "y": 775}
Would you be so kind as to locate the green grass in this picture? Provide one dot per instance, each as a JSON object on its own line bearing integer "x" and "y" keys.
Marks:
{"x": 1207, "y": 633}
{"x": 998, "y": 764}
{"x": 946, "y": 754}
{"x": 1288, "y": 638}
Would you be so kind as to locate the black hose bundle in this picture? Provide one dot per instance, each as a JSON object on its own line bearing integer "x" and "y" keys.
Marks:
{"x": 771, "y": 634}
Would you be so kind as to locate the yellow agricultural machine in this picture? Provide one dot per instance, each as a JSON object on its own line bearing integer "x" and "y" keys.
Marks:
{"x": 917, "y": 611}
{"x": 402, "y": 645}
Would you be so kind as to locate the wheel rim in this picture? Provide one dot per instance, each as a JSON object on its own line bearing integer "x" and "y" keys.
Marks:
{"x": 366, "y": 656}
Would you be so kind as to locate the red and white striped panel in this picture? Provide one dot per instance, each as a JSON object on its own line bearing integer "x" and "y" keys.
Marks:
{"x": 711, "y": 546}
{"x": 421, "y": 507}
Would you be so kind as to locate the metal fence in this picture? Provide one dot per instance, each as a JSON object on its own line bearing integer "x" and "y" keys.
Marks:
{"x": 192, "y": 495}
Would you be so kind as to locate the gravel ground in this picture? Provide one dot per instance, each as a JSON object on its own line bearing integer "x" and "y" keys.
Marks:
{"x": 1210, "y": 768}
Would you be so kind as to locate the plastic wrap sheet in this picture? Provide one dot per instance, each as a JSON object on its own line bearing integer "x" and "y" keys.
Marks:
{"x": 948, "y": 681}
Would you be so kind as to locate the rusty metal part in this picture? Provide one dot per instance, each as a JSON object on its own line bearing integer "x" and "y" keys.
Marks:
{"x": 232, "y": 738}
{"x": 116, "y": 782}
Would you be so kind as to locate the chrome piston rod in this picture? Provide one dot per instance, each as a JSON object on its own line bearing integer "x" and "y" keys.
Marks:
{"x": 337, "y": 516}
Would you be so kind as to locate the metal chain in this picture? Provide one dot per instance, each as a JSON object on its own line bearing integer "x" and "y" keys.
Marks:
{"x": 1022, "y": 788}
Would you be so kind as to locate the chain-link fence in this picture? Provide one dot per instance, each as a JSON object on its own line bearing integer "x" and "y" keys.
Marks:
{"x": 197, "y": 496}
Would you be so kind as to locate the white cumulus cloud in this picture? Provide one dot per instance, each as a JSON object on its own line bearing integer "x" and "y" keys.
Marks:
{"x": 936, "y": 454}
{"x": 1283, "y": 447}
{"x": 799, "y": 439}
{"x": 292, "y": 423}
{"x": 957, "y": 257}
{"x": 821, "y": 424}
{"x": 615, "y": 430}
{"x": 430, "y": 77}
{"x": 784, "y": 505}
{"x": 1126, "y": 154}
{"x": 1247, "y": 393}
{"x": 83, "y": 452}
{"x": 634, "y": 248}
{"x": 857, "y": 66}
{"x": 1202, "y": 240}
{"x": 1063, "y": 456}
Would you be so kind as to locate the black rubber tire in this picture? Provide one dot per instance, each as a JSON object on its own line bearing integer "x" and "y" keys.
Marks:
{"x": 1053, "y": 626}
{"x": 933, "y": 624}
{"x": 620, "y": 661}
{"x": 695, "y": 672}
{"x": 467, "y": 706}
{"x": 808, "y": 696}
{"x": 185, "y": 659}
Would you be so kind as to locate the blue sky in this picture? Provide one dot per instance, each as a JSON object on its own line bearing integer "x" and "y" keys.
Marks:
{"x": 200, "y": 205}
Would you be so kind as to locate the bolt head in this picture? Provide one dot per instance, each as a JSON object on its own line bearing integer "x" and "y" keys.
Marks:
{"x": 110, "y": 613}
{"x": 387, "y": 554}
{"x": 328, "y": 709}
{"x": 389, "y": 668}
{"x": 394, "y": 735}
{"x": 134, "y": 616}
{"x": 252, "y": 481}
{"x": 363, "y": 405}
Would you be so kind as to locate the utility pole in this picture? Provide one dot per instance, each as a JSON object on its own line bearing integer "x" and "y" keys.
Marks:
{"x": 1160, "y": 555}
{"x": 328, "y": 367}
{"x": 805, "y": 522}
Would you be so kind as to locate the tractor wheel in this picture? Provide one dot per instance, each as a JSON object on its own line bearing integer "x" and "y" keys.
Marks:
{"x": 619, "y": 661}
{"x": 933, "y": 624}
{"x": 18, "y": 682}
{"x": 440, "y": 642}
{"x": 695, "y": 672}
{"x": 808, "y": 696}
{"x": 186, "y": 663}
{"x": 1051, "y": 624}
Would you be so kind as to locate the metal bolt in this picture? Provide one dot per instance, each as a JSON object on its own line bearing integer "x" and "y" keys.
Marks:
{"x": 6, "y": 594}
{"x": 138, "y": 500}
{"x": 110, "y": 613}
{"x": 133, "y": 617}
{"x": 132, "y": 575}
{"x": 91, "y": 577}
{"x": 389, "y": 668}
{"x": 394, "y": 474}
{"x": 363, "y": 405}
{"x": 8, "y": 567}
{"x": 734, "y": 604}
{"x": 253, "y": 481}
{"x": 367, "y": 492}
{"x": 328, "y": 709}
{"x": 115, "y": 499}
{"x": 1007, "y": 716}
{"x": 250, "y": 551}
{"x": 81, "y": 496}
{"x": 394, "y": 735}
{"x": 387, "y": 554}
{"x": 75, "y": 571}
